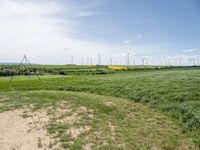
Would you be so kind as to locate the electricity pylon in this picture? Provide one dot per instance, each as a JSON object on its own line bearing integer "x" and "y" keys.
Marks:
{"x": 27, "y": 65}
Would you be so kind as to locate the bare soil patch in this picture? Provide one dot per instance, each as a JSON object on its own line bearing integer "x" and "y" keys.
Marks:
{"x": 75, "y": 132}
{"x": 23, "y": 129}
{"x": 18, "y": 132}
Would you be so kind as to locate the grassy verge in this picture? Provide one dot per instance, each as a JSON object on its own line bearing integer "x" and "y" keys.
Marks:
{"x": 81, "y": 120}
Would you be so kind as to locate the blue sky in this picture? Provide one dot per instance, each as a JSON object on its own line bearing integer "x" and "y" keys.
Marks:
{"x": 52, "y": 31}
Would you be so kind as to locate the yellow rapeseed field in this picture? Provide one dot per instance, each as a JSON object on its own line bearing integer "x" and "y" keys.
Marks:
{"x": 118, "y": 68}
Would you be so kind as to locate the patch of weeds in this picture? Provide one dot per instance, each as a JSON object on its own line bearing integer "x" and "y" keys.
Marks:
{"x": 39, "y": 143}
{"x": 24, "y": 115}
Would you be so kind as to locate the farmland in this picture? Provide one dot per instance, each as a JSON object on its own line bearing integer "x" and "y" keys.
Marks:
{"x": 137, "y": 108}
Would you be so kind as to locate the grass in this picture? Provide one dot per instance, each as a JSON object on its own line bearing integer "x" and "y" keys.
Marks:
{"x": 114, "y": 123}
{"x": 174, "y": 92}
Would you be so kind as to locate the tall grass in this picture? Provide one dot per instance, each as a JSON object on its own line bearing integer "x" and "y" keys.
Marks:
{"x": 175, "y": 92}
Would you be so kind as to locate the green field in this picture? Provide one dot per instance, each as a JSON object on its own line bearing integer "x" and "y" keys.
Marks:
{"x": 135, "y": 109}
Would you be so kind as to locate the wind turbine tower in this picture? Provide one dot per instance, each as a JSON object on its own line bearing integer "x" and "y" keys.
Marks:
{"x": 143, "y": 60}
{"x": 110, "y": 61}
{"x": 128, "y": 60}
{"x": 72, "y": 60}
{"x": 99, "y": 59}
{"x": 87, "y": 61}
{"x": 81, "y": 60}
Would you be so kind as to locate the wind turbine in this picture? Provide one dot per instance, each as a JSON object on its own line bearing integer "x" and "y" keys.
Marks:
{"x": 66, "y": 49}
{"x": 128, "y": 59}
{"x": 99, "y": 59}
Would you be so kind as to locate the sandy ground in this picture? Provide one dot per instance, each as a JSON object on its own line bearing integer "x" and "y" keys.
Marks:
{"x": 18, "y": 133}
{"x": 24, "y": 130}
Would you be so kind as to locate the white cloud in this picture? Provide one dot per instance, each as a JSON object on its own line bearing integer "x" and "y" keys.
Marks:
{"x": 139, "y": 36}
{"x": 147, "y": 56}
{"x": 31, "y": 28}
{"x": 9, "y": 8}
{"x": 37, "y": 29}
{"x": 189, "y": 50}
{"x": 27, "y": 28}
{"x": 85, "y": 13}
{"x": 126, "y": 41}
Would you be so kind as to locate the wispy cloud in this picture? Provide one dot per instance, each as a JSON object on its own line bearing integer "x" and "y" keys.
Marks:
{"x": 45, "y": 29}
{"x": 36, "y": 29}
{"x": 147, "y": 56}
{"x": 9, "y": 8}
{"x": 139, "y": 36}
{"x": 189, "y": 50}
{"x": 85, "y": 13}
{"x": 126, "y": 41}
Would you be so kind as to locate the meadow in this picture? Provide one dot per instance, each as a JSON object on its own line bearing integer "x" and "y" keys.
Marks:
{"x": 132, "y": 109}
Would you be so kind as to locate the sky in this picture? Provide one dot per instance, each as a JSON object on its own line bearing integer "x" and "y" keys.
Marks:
{"x": 52, "y": 31}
